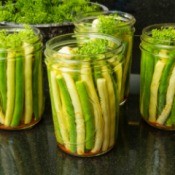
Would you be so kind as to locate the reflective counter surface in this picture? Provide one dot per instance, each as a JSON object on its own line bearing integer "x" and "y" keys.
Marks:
{"x": 140, "y": 149}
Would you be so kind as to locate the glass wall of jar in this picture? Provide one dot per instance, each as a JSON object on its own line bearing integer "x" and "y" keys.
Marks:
{"x": 157, "y": 90}
{"x": 85, "y": 72}
{"x": 21, "y": 88}
{"x": 118, "y": 24}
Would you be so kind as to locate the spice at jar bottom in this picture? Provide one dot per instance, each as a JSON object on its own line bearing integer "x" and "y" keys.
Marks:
{"x": 157, "y": 102}
{"x": 84, "y": 73}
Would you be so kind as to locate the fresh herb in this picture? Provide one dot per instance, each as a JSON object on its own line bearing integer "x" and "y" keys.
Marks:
{"x": 97, "y": 46}
{"x": 111, "y": 25}
{"x": 107, "y": 24}
{"x": 93, "y": 48}
{"x": 15, "y": 39}
{"x": 164, "y": 35}
{"x": 42, "y": 11}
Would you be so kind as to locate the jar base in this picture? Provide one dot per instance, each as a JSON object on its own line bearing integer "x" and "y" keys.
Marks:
{"x": 88, "y": 154}
{"x": 20, "y": 127}
{"x": 158, "y": 126}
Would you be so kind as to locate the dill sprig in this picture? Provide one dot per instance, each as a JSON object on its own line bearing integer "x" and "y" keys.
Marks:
{"x": 107, "y": 24}
{"x": 15, "y": 40}
{"x": 44, "y": 11}
{"x": 93, "y": 47}
{"x": 164, "y": 33}
{"x": 112, "y": 24}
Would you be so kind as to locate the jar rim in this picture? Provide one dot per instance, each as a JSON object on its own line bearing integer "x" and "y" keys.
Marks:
{"x": 18, "y": 51}
{"x": 146, "y": 33}
{"x": 50, "y": 45}
{"x": 12, "y": 28}
{"x": 128, "y": 18}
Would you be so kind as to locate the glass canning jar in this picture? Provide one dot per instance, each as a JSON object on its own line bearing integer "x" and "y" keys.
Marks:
{"x": 21, "y": 87}
{"x": 84, "y": 91}
{"x": 157, "y": 89}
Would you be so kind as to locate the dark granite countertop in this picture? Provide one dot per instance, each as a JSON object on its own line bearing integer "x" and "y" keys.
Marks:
{"x": 140, "y": 149}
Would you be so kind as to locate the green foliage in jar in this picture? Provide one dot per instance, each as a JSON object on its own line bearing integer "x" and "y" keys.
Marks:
{"x": 111, "y": 24}
{"x": 164, "y": 35}
{"x": 15, "y": 39}
{"x": 97, "y": 46}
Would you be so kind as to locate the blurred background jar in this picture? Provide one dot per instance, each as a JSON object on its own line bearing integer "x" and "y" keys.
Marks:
{"x": 21, "y": 87}
{"x": 115, "y": 23}
{"x": 157, "y": 89}
{"x": 84, "y": 72}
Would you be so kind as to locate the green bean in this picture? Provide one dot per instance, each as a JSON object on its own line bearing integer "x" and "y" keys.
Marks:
{"x": 142, "y": 79}
{"x": 164, "y": 84}
{"x": 154, "y": 89}
{"x": 86, "y": 75}
{"x": 35, "y": 82}
{"x": 10, "y": 87}
{"x": 28, "y": 108}
{"x": 112, "y": 102}
{"x": 61, "y": 130}
{"x": 19, "y": 92}
{"x": 70, "y": 112}
{"x": 41, "y": 99}
{"x": 3, "y": 82}
{"x": 88, "y": 114}
{"x": 104, "y": 100}
{"x": 149, "y": 69}
{"x": 169, "y": 99}
{"x": 117, "y": 87}
{"x": 119, "y": 74}
{"x": 80, "y": 128}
